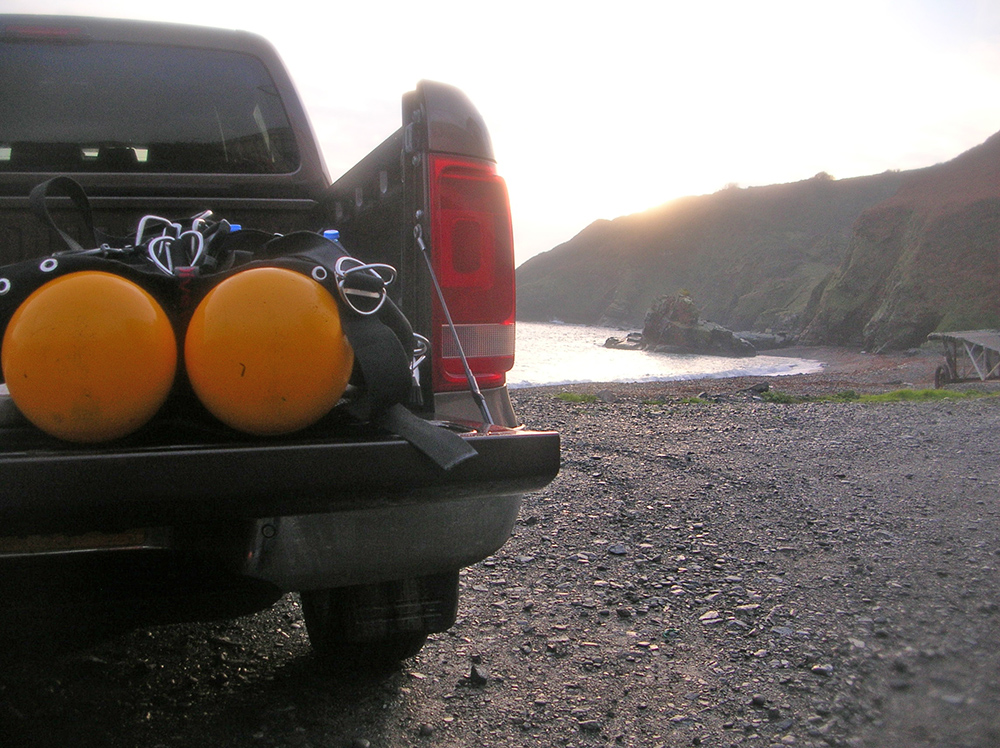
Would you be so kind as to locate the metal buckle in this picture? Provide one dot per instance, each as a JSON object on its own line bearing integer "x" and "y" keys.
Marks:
{"x": 421, "y": 347}
{"x": 355, "y": 297}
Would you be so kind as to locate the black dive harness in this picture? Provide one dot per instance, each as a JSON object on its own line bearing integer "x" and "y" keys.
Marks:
{"x": 178, "y": 263}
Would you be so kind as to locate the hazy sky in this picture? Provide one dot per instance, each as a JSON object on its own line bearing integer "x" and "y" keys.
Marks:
{"x": 597, "y": 110}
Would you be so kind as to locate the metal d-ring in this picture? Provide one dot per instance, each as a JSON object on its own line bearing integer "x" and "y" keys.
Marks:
{"x": 344, "y": 269}
{"x": 169, "y": 228}
{"x": 197, "y": 248}
{"x": 154, "y": 249}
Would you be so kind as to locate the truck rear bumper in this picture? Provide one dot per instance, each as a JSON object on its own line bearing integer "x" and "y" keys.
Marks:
{"x": 75, "y": 491}
{"x": 379, "y": 543}
{"x": 360, "y": 546}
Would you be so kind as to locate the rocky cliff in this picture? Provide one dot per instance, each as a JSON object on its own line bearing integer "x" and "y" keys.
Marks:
{"x": 878, "y": 261}
{"x": 925, "y": 260}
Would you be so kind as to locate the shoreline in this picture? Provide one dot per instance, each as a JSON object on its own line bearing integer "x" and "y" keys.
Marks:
{"x": 843, "y": 369}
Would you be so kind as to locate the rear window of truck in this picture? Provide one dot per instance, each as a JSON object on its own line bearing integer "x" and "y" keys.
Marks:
{"x": 107, "y": 107}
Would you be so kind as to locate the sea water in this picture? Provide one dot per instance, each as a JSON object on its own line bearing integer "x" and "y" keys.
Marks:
{"x": 551, "y": 353}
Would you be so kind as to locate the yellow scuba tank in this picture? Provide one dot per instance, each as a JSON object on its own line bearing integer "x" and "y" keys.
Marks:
{"x": 265, "y": 351}
{"x": 89, "y": 356}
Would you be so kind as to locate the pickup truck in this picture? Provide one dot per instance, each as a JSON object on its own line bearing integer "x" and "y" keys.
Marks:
{"x": 187, "y": 518}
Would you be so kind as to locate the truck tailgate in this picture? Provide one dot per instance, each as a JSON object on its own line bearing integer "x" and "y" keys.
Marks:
{"x": 76, "y": 490}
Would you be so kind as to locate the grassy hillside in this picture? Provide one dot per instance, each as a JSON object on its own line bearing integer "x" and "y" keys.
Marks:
{"x": 751, "y": 258}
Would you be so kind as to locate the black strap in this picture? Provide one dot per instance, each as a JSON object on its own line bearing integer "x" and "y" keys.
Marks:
{"x": 384, "y": 364}
{"x": 379, "y": 350}
{"x": 72, "y": 190}
{"x": 383, "y": 345}
{"x": 445, "y": 447}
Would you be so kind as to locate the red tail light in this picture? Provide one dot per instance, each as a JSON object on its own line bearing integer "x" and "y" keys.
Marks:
{"x": 473, "y": 255}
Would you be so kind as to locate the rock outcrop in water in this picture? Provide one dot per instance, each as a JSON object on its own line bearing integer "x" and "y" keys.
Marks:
{"x": 631, "y": 342}
{"x": 674, "y": 325}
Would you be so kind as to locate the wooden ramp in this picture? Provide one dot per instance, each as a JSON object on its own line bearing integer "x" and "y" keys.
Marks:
{"x": 968, "y": 355}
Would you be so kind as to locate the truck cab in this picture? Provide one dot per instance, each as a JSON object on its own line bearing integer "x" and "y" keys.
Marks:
{"x": 188, "y": 518}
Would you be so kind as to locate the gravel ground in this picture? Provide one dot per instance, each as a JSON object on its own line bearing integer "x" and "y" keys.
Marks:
{"x": 721, "y": 573}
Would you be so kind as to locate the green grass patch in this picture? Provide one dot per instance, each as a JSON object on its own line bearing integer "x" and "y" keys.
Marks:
{"x": 920, "y": 395}
{"x": 576, "y": 397}
{"x": 896, "y": 396}
{"x": 845, "y": 396}
{"x": 783, "y": 398}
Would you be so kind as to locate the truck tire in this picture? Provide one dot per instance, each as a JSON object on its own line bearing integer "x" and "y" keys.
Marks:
{"x": 374, "y": 627}
{"x": 381, "y": 656}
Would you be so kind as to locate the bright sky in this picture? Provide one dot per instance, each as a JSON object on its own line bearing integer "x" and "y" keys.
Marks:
{"x": 597, "y": 110}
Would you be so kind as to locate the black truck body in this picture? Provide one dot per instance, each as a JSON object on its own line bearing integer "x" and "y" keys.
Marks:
{"x": 177, "y": 522}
